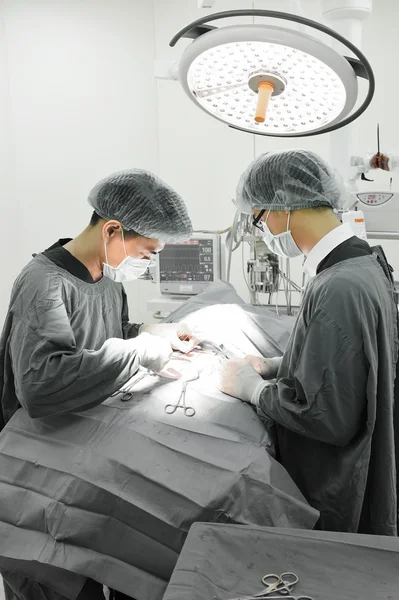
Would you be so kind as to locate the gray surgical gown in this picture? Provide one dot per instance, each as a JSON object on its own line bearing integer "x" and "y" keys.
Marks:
{"x": 333, "y": 401}
{"x": 63, "y": 345}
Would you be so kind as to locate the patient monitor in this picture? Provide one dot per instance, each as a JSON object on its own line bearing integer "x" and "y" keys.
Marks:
{"x": 187, "y": 268}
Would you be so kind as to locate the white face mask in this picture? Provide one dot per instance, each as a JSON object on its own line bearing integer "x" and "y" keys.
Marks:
{"x": 282, "y": 244}
{"x": 128, "y": 270}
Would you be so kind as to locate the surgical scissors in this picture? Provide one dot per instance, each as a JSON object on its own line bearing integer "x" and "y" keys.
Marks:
{"x": 288, "y": 597}
{"x": 125, "y": 397}
{"x": 282, "y": 584}
{"x": 277, "y": 586}
{"x": 189, "y": 411}
{"x": 126, "y": 394}
{"x": 258, "y": 597}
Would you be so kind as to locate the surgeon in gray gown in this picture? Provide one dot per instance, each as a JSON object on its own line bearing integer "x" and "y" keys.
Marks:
{"x": 67, "y": 343}
{"x": 331, "y": 396}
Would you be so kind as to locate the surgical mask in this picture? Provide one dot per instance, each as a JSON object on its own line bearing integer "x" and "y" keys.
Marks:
{"x": 128, "y": 270}
{"x": 282, "y": 244}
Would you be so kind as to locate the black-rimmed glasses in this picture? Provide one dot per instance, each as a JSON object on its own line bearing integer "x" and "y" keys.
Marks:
{"x": 257, "y": 221}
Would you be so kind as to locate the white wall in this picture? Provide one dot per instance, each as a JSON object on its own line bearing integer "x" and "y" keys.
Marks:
{"x": 78, "y": 100}
{"x": 9, "y": 247}
{"x": 81, "y": 93}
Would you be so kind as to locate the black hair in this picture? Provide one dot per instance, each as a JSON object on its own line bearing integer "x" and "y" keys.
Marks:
{"x": 95, "y": 220}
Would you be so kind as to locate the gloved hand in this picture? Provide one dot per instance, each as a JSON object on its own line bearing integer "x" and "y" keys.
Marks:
{"x": 239, "y": 379}
{"x": 178, "y": 334}
{"x": 153, "y": 352}
{"x": 266, "y": 367}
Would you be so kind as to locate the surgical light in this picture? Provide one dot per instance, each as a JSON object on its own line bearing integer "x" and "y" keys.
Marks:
{"x": 270, "y": 80}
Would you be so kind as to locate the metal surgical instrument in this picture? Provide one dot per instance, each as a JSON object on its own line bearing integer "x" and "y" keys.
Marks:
{"x": 189, "y": 411}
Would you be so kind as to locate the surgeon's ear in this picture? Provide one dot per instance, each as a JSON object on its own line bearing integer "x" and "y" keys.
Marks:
{"x": 110, "y": 229}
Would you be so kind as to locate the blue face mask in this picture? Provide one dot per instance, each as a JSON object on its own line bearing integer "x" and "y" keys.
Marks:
{"x": 282, "y": 244}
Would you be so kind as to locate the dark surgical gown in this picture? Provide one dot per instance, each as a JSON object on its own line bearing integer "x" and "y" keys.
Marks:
{"x": 63, "y": 349}
{"x": 333, "y": 402}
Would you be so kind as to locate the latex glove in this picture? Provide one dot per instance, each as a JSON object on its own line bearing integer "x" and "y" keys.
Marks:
{"x": 239, "y": 379}
{"x": 153, "y": 352}
{"x": 266, "y": 367}
{"x": 179, "y": 335}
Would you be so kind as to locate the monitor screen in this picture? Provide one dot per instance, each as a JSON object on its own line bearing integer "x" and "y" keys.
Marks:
{"x": 187, "y": 262}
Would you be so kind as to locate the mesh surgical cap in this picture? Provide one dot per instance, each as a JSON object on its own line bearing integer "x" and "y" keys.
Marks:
{"x": 143, "y": 203}
{"x": 289, "y": 180}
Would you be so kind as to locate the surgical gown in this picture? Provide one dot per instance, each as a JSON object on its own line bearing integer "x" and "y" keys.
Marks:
{"x": 61, "y": 350}
{"x": 64, "y": 344}
{"x": 333, "y": 401}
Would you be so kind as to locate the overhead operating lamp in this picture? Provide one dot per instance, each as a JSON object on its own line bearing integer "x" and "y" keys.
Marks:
{"x": 272, "y": 81}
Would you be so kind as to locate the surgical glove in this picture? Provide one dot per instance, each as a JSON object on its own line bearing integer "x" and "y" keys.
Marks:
{"x": 179, "y": 335}
{"x": 153, "y": 352}
{"x": 239, "y": 379}
{"x": 266, "y": 367}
